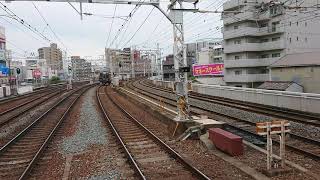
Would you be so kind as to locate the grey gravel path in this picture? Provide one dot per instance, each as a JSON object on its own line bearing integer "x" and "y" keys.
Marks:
{"x": 90, "y": 130}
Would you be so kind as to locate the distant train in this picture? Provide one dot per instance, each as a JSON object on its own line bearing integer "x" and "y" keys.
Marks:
{"x": 105, "y": 78}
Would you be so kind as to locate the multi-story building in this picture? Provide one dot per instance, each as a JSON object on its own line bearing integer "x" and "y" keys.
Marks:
{"x": 168, "y": 69}
{"x": 143, "y": 65}
{"x": 53, "y": 56}
{"x": 3, "y": 63}
{"x": 301, "y": 68}
{"x": 119, "y": 62}
{"x": 35, "y": 70}
{"x": 210, "y": 55}
{"x": 81, "y": 69}
{"x": 124, "y": 63}
{"x": 258, "y": 32}
{"x": 212, "y": 47}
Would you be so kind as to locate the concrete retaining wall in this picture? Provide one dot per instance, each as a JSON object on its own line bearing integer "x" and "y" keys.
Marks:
{"x": 291, "y": 100}
{"x": 25, "y": 89}
{"x": 4, "y": 91}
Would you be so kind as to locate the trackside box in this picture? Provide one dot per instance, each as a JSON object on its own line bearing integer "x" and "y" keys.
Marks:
{"x": 226, "y": 141}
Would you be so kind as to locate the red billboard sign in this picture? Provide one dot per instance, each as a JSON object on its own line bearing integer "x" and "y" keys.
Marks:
{"x": 36, "y": 73}
{"x": 208, "y": 69}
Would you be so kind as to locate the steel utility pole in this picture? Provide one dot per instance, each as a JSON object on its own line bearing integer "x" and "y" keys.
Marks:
{"x": 180, "y": 61}
{"x": 180, "y": 58}
{"x": 158, "y": 59}
{"x": 132, "y": 62}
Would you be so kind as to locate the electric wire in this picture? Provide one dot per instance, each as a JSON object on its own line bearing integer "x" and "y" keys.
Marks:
{"x": 114, "y": 13}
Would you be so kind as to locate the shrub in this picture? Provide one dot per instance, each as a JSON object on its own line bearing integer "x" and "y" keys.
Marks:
{"x": 54, "y": 80}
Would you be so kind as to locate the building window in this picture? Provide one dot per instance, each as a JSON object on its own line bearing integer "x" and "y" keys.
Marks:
{"x": 235, "y": 27}
{"x": 297, "y": 23}
{"x": 274, "y": 26}
{"x": 290, "y": 23}
{"x": 305, "y": 24}
{"x": 276, "y": 55}
{"x": 264, "y": 25}
{"x": 265, "y": 56}
{"x": 264, "y": 40}
{"x": 236, "y": 57}
{"x": 290, "y": 40}
{"x": 238, "y": 41}
{"x": 306, "y": 39}
{"x": 276, "y": 39}
{"x": 238, "y": 72}
{"x": 297, "y": 38}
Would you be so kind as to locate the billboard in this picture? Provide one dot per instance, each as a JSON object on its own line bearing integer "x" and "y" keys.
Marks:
{"x": 36, "y": 73}
{"x": 208, "y": 69}
{"x": 4, "y": 71}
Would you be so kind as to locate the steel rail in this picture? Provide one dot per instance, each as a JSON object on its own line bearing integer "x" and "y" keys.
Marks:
{"x": 15, "y": 98}
{"x": 115, "y": 131}
{"x": 2, "y": 123}
{"x": 299, "y": 116}
{"x": 292, "y": 134}
{"x": 194, "y": 170}
{"x": 53, "y": 131}
{"x": 302, "y": 138}
{"x": 28, "y": 128}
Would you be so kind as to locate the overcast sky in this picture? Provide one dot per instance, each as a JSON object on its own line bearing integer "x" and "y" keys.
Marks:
{"x": 88, "y": 37}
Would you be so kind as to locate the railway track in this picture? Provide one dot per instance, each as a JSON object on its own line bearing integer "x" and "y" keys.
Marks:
{"x": 20, "y": 154}
{"x": 292, "y": 115}
{"x": 150, "y": 156}
{"x": 12, "y": 113}
{"x": 307, "y": 146}
{"x": 20, "y": 101}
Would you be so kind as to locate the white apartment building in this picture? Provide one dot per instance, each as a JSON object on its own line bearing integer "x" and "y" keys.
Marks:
{"x": 210, "y": 55}
{"x": 258, "y": 32}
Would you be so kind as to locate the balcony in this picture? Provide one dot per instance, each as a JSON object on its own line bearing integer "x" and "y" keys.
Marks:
{"x": 253, "y": 47}
{"x": 249, "y": 62}
{"x": 168, "y": 71}
{"x": 233, "y": 4}
{"x": 251, "y": 31}
{"x": 230, "y": 19}
{"x": 243, "y": 78}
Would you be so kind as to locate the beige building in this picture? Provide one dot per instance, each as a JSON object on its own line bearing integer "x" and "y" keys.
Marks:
{"x": 53, "y": 56}
{"x": 301, "y": 68}
{"x": 81, "y": 69}
{"x": 263, "y": 31}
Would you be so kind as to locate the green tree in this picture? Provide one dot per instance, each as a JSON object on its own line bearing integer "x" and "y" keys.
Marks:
{"x": 54, "y": 80}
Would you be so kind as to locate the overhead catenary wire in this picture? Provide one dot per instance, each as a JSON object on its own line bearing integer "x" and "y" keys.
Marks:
{"x": 127, "y": 20}
{"x": 114, "y": 13}
{"x": 23, "y": 22}
{"x": 22, "y": 30}
{"x": 139, "y": 27}
{"x": 49, "y": 26}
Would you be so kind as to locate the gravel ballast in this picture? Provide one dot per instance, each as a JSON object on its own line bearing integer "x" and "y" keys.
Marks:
{"x": 89, "y": 130}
